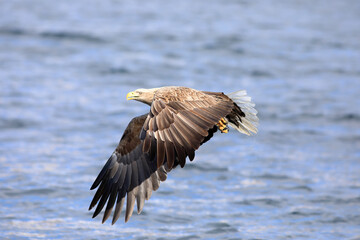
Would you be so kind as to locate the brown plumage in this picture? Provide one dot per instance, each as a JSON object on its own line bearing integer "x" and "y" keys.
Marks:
{"x": 180, "y": 120}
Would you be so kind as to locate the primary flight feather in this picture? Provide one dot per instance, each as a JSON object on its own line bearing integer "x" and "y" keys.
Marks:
{"x": 180, "y": 120}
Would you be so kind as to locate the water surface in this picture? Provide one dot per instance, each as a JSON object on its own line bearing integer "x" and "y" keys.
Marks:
{"x": 65, "y": 69}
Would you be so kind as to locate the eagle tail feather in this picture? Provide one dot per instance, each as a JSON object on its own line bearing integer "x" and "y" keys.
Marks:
{"x": 248, "y": 124}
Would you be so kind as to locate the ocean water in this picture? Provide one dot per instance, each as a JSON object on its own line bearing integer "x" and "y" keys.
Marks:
{"x": 65, "y": 69}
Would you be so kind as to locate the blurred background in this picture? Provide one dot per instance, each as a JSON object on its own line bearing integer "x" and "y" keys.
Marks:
{"x": 65, "y": 69}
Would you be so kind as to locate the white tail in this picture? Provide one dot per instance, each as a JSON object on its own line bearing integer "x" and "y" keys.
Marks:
{"x": 248, "y": 124}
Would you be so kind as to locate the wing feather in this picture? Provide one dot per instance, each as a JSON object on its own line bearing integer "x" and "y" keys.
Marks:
{"x": 103, "y": 199}
{"x": 106, "y": 167}
{"x": 180, "y": 144}
{"x": 110, "y": 203}
{"x": 182, "y": 119}
{"x": 130, "y": 203}
{"x": 194, "y": 125}
{"x": 140, "y": 198}
{"x": 170, "y": 154}
{"x": 129, "y": 175}
{"x": 160, "y": 153}
{"x": 119, "y": 204}
{"x": 97, "y": 195}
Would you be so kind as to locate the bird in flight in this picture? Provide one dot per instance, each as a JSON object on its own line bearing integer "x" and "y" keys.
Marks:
{"x": 180, "y": 120}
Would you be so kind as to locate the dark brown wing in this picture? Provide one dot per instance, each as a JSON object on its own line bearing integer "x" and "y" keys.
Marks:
{"x": 128, "y": 172}
{"x": 177, "y": 126}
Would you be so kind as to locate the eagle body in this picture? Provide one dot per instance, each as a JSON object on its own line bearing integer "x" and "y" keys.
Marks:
{"x": 180, "y": 120}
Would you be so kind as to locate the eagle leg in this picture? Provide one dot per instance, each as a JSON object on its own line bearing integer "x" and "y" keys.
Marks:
{"x": 222, "y": 125}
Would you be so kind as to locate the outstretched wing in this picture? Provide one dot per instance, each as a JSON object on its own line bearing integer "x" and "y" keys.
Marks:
{"x": 177, "y": 126}
{"x": 128, "y": 172}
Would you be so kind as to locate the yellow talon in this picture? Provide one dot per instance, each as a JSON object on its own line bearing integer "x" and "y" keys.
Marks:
{"x": 222, "y": 125}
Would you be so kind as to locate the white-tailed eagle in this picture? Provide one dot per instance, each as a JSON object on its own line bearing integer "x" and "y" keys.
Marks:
{"x": 180, "y": 120}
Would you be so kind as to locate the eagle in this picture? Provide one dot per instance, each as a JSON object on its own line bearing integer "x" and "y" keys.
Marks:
{"x": 180, "y": 120}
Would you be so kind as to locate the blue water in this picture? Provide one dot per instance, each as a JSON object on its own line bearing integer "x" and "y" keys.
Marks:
{"x": 65, "y": 69}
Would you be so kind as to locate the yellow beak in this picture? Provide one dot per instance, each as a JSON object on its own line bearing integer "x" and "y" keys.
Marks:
{"x": 131, "y": 95}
